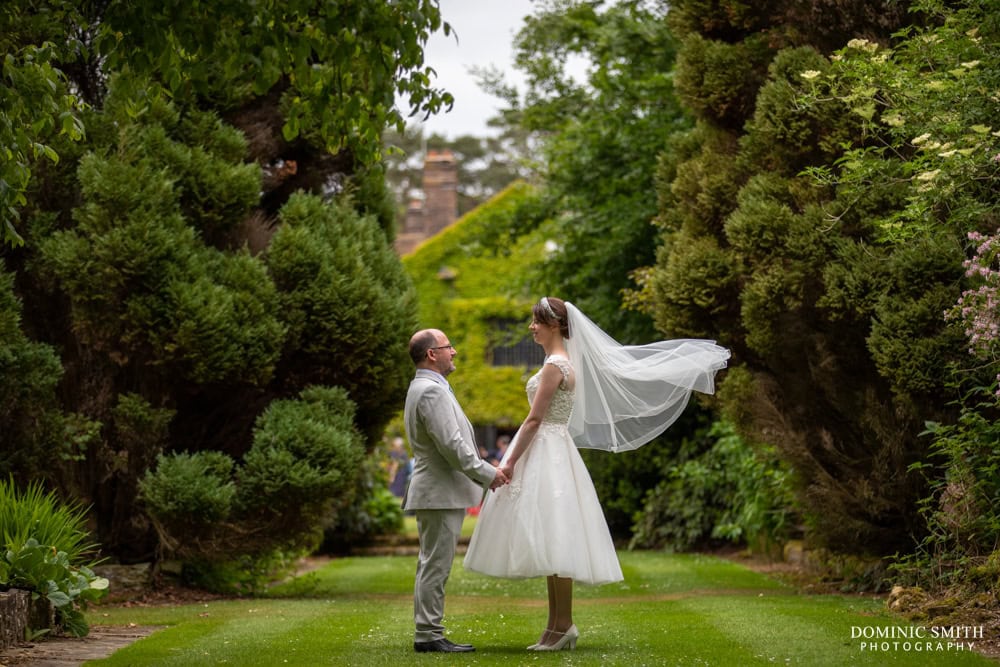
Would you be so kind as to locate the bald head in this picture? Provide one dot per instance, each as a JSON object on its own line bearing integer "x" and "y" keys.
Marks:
{"x": 422, "y": 341}
{"x": 430, "y": 349}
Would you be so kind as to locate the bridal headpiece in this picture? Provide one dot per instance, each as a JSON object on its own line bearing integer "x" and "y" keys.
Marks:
{"x": 548, "y": 309}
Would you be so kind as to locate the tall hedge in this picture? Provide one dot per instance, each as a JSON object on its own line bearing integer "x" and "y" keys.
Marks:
{"x": 840, "y": 350}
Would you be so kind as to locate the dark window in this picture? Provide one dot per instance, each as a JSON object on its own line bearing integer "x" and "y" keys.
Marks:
{"x": 512, "y": 345}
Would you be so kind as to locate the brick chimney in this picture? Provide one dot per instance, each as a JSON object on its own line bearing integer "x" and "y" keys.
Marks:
{"x": 439, "y": 207}
{"x": 440, "y": 191}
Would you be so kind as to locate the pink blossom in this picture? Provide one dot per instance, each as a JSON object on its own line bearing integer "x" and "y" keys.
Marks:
{"x": 979, "y": 308}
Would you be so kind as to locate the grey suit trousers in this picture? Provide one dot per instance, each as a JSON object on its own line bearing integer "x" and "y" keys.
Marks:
{"x": 439, "y": 531}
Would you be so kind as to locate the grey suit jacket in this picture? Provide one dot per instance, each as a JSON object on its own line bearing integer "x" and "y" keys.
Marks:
{"x": 448, "y": 472}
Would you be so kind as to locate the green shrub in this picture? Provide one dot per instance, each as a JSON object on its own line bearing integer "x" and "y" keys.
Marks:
{"x": 305, "y": 457}
{"x": 305, "y": 454}
{"x": 961, "y": 511}
{"x": 385, "y": 511}
{"x": 46, "y": 550}
{"x": 717, "y": 488}
{"x": 373, "y": 511}
{"x": 246, "y": 574}
{"x": 195, "y": 488}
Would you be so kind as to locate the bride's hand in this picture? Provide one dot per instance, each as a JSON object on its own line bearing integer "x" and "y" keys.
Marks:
{"x": 508, "y": 470}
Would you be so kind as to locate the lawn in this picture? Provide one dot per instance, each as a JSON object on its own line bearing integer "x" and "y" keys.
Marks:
{"x": 670, "y": 610}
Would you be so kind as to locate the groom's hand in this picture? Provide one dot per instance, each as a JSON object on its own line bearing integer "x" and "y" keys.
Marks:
{"x": 499, "y": 480}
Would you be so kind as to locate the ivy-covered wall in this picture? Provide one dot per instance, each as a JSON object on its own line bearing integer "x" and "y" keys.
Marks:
{"x": 469, "y": 276}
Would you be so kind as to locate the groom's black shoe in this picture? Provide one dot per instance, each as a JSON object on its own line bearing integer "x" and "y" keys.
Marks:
{"x": 441, "y": 646}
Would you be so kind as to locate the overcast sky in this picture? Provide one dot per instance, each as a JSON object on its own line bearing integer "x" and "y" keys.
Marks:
{"x": 485, "y": 30}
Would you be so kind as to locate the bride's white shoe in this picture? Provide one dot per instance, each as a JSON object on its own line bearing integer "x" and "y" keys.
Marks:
{"x": 567, "y": 638}
{"x": 535, "y": 646}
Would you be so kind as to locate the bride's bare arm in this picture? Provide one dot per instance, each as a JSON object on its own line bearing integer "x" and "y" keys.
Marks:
{"x": 549, "y": 382}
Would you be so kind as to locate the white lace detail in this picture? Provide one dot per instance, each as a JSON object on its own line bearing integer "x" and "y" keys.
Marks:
{"x": 552, "y": 427}
{"x": 562, "y": 401}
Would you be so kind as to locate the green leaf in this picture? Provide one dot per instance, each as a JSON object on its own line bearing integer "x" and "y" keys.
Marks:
{"x": 866, "y": 111}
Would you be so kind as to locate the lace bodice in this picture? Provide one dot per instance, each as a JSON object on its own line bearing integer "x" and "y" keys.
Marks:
{"x": 562, "y": 401}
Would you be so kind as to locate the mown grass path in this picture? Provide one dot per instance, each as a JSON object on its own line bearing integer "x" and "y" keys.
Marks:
{"x": 670, "y": 610}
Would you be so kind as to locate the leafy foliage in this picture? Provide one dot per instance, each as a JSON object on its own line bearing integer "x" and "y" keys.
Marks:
{"x": 716, "y": 487}
{"x": 338, "y": 68}
{"x": 47, "y": 550}
{"x": 601, "y": 139}
{"x": 50, "y": 575}
{"x": 925, "y": 106}
{"x": 145, "y": 266}
{"x": 36, "y": 105}
{"x": 960, "y": 548}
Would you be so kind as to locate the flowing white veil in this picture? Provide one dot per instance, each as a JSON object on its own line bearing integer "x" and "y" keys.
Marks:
{"x": 626, "y": 395}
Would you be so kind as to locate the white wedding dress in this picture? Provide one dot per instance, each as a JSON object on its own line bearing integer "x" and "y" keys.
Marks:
{"x": 548, "y": 520}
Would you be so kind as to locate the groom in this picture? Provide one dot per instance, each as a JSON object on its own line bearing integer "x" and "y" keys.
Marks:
{"x": 448, "y": 477}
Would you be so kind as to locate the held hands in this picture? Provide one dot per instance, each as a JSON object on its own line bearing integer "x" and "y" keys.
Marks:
{"x": 500, "y": 479}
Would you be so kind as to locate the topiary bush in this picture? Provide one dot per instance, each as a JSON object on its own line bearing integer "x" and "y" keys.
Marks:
{"x": 305, "y": 458}
{"x": 306, "y": 454}
{"x": 839, "y": 334}
{"x": 190, "y": 488}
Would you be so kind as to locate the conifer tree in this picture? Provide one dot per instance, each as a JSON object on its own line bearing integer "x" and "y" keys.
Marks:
{"x": 841, "y": 352}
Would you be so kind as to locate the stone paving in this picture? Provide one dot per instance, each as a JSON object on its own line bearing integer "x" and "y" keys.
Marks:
{"x": 73, "y": 651}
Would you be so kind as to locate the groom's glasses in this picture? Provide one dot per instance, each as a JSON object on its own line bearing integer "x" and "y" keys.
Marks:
{"x": 444, "y": 347}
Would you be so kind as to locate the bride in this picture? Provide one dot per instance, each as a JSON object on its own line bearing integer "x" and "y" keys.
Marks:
{"x": 590, "y": 392}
